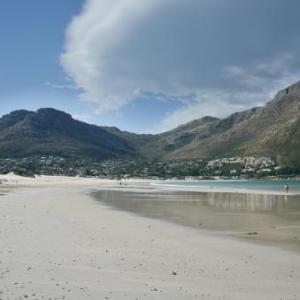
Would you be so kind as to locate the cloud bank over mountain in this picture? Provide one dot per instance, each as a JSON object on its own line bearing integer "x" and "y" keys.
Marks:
{"x": 214, "y": 56}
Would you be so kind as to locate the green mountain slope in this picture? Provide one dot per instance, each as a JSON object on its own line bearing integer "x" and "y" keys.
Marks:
{"x": 51, "y": 132}
{"x": 272, "y": 130}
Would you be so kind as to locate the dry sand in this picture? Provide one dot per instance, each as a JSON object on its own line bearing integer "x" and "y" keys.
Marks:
{"x": 58, "y": 243}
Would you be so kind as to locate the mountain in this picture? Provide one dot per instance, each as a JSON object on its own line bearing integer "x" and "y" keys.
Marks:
{"x": 272, "y": 130}
{"x": 52, "y": 132}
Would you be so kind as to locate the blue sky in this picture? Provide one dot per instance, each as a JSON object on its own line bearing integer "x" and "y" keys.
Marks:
{"x": 32, "y": 36}
{"x": 31, "y": 75}
{"x": 146, "y": 65}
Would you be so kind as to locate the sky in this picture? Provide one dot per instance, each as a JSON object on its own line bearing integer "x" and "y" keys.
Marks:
{"x": 146, "y": 65}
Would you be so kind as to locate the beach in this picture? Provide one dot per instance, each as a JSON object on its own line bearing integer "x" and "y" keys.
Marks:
{"x": 57, "y": 242}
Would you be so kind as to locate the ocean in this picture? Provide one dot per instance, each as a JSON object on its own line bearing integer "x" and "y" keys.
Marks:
{"x": 268, "y": 185}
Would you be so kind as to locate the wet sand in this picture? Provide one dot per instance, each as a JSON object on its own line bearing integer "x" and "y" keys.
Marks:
{"x": 272, "y": 219}
{"x": 57, "y": 242}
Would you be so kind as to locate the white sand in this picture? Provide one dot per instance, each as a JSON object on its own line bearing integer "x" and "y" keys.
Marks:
{"x": 58, "y": 243}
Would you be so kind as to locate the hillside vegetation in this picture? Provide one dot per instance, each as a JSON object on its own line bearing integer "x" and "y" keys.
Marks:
{"x": 272, "y": 130}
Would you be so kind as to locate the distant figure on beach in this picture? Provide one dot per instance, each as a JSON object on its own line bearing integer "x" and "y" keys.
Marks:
{"x": 286, "y": 187}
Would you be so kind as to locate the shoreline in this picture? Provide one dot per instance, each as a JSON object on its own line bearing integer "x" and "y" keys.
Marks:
{"x": 255, "y": 218}
{"x": 226, "y": 190}
{"x": 11, "y": 180}
{"x": 264, "y": 236}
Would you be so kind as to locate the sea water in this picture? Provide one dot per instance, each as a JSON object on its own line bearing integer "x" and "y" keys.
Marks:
{"x": 268, "y": 185}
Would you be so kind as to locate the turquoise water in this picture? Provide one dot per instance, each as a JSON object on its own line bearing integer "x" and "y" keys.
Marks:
{"x": 270, "y": 185}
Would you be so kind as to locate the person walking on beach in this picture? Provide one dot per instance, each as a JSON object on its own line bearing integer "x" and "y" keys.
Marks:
{"x": 286, "y": 187}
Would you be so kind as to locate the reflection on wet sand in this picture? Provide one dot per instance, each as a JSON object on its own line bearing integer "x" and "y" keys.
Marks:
{"x": 269, "y": 218}
{"x": 250, "y": 202}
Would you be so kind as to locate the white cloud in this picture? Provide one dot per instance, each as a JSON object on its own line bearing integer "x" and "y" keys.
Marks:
{"x": 212, "y": 55}
{"x": 267, "y": 78}
{"x": 92, "y": 39}
{"x": 255, "y": 86}
{"x": 208, "y": 103}
{"x": 60, "y": 86}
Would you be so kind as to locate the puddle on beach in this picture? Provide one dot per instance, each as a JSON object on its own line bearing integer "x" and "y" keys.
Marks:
{"x": 3, "y": 190}
{"x": 268, "y": 218}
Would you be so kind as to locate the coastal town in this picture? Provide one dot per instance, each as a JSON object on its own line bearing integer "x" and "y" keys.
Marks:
{"x": 233, "y": 167}
{"x": 237, "y": 166}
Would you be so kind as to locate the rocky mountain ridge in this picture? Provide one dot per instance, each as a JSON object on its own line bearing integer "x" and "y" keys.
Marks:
{"x": 272, "y": 130}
